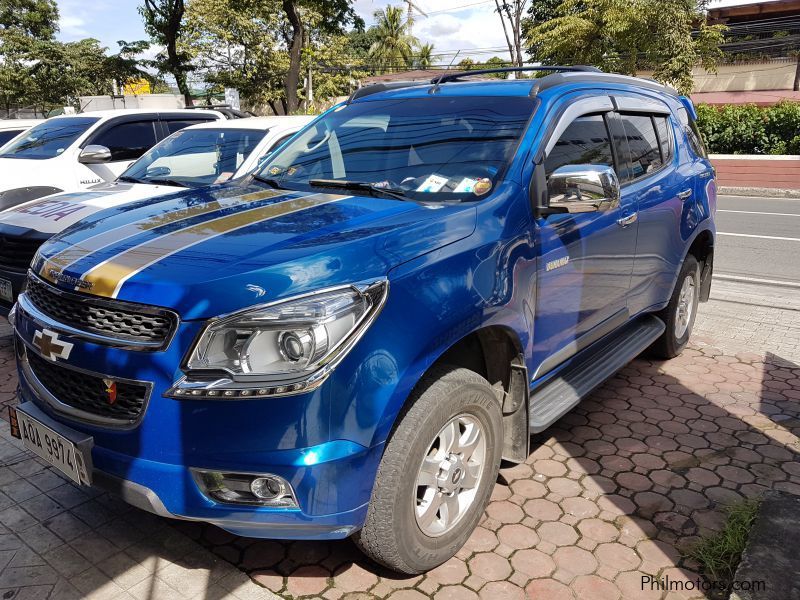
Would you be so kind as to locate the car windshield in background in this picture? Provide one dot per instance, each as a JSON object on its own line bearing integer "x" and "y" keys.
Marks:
{"x": 433, "y": 148}
{"x": 8, "y": 135}
{"x": 48, "y": 139}
{"x": 195, "y": 157}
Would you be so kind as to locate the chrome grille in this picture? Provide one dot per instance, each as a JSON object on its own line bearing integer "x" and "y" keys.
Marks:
{"x": 121, "y": 321}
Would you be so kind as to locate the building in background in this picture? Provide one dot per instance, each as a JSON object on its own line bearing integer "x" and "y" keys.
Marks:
{"x": 762, "y": 55}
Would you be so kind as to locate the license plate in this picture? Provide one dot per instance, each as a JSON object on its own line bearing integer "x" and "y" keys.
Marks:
{"x": 6, "y": 291}
{"x": 56, "y": 449}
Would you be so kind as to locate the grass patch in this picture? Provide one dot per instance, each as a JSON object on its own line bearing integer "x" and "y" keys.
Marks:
{"x": 719, "y": 554}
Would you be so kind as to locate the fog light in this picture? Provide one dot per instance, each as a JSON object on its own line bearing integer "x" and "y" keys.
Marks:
{"x": 246, "y": 488}
{"x": 266, "y": 488}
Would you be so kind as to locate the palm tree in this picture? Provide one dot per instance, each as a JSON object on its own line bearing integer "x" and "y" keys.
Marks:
{"x": 424, "y": 57}
{"x": 394, "y": 48}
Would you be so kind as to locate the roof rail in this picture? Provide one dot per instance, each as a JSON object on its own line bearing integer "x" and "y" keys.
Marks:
{"x": 560, "y": 78}
{"x": 374, "y": 88}
{"x": 445, "y": 77}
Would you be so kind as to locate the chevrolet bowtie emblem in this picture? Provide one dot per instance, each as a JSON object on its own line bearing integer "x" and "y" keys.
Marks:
{"x": 49, "y": 346}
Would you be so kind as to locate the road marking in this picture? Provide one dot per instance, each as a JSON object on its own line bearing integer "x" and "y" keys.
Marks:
{"x": 760, "y": 237}
{"x": 778, "y": 282}
{"x": 750, "y": 212}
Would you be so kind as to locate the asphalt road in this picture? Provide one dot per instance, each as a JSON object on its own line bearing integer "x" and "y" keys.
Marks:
{"x": 758, "y": 238}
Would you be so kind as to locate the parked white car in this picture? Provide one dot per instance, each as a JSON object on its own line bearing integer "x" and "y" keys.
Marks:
{"x": 11, "y": 128}
{"x": 71, "y": 153}
{"x": 197, "y": 156}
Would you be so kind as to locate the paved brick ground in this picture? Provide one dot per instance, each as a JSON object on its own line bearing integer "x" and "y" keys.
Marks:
{"x": 614, "y": 492}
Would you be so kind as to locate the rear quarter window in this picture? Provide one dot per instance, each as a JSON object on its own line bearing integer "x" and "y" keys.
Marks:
{"x": 692, "y": 132}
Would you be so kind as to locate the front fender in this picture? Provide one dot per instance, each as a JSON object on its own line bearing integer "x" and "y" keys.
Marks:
{"x": 434, "y": 301}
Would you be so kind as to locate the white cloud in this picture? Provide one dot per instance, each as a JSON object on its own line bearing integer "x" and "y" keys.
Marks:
{"x": 472, "y": 27}
{"x": 72, "y": 25}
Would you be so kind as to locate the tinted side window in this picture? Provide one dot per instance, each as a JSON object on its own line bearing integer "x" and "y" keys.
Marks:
{"x": 642, "y": 143}
{"x": 664, "y": 137}
{"x": 584, "y": 142}
{"x": 174, "y": 125}
{"x": 692, "y": 133}
{"x": 127, "y": 141}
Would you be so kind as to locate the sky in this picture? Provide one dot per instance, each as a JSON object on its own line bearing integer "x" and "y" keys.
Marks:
{"x": 467, "y": 25}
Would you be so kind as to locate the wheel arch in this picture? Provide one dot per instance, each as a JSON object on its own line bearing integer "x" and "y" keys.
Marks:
{"x": 495, "y": 352}
{"x": 702, "y": 248}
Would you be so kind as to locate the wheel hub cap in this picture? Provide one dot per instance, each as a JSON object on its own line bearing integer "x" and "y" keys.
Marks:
{"x": 448, "y": 478}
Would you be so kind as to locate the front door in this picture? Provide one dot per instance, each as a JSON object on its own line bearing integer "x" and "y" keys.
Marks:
{"x": 585, "y": 259}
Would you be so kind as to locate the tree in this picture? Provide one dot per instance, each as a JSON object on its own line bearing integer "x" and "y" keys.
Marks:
{"x": 467, "y": 64}
{"x": 332, "y": 16}
{"x": 627, "y": 36}
{"x": 235, "y": 44}
{"x": 424, "y": 57}
{"x": 163, "y": 21}
{"x": 511, "y": 12}
{"x": 394, "y": 48}
{"x": 37, "y": 19}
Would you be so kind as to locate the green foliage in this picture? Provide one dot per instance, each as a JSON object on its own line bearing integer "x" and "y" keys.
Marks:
{"x": 749, "y": 129}
{"x": 163, "y": 21}
{"x": 37, "y": 19}
{"x": 627, "y": 36}
{"x": 720, "y": 553}
{"x": 244, "y": 45}
{"x": 394, "y": 47}
{"x": 423, "y": 59}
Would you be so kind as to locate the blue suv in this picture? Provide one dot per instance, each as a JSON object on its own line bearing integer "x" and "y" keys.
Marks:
{"x": 349, "y": 340}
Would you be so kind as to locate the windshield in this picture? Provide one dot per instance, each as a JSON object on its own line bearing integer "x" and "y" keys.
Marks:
{"x": 196, "y": 157}
{"x": 48, "y": 139}
{"x": 431, "y": 148}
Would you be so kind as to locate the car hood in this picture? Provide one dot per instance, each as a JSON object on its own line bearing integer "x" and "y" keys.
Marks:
{"x": 208, "y": 252}
{"x": 56, "y": 212}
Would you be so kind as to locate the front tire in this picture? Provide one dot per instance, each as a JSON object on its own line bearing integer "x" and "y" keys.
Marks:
{"x": 680, "y": 313}
{"x": 436, "y": 474}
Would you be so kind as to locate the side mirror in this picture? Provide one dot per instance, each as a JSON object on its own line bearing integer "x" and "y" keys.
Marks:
{"x": 582, "y": 188}
{"x": 94, "y": 154}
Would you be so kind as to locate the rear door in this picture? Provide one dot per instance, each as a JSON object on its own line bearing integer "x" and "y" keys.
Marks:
{"x": 585, "y": 259}
{"x": 656, "y": 181}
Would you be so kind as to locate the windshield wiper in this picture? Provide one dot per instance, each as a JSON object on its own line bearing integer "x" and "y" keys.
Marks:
{"x": 129, "y": 179}
{"x": 361, "y": 186}
{"x": 163, "y": 181}
{"x": 270, "y": 182}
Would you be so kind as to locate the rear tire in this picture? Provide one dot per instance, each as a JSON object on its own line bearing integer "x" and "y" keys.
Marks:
{"x": 437, "y": 473}
{"x": 680, "y": 313}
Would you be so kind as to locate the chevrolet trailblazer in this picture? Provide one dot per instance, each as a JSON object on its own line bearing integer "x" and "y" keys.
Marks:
{"x": 348, "y": 341}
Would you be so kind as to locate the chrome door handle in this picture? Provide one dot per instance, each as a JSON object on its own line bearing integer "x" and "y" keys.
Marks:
{"x": 629, "y": 220}
{"x": 685, "y": 194}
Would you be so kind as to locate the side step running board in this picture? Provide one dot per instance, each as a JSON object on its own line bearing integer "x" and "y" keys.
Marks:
{"x": 589, "y": 369}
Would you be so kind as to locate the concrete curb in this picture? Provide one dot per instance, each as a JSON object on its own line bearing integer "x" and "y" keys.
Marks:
{"x": 771, "y": 554}
{"x": 754, "y": 191}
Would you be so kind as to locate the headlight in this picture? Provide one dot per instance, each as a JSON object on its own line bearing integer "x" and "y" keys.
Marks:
{"x": 284, "y": 347}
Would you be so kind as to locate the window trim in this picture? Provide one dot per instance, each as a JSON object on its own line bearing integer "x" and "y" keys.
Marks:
{"x": 670, "y": 142}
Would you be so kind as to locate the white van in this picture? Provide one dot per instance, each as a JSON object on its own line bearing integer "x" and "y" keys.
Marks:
{"x": 71, "y": 153}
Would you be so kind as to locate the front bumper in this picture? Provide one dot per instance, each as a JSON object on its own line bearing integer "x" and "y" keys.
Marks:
{"x": 328, "y": 471}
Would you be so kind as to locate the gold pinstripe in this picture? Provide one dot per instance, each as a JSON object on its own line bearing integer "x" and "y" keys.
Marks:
{"x": 108, "y": 277}
{"x": 59, "y": 262}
